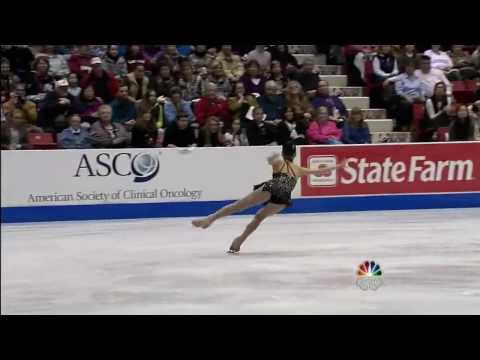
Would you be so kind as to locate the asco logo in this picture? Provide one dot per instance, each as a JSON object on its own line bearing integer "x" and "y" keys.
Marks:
{"x": 142, "y": 166}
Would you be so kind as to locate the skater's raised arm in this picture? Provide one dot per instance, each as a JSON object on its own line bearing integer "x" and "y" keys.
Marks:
{"x": 321, "y": 170}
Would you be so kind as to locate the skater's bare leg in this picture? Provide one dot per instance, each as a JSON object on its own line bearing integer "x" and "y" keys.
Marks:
{"x": 262, "y": 214}
{"x": 254, "y": 198}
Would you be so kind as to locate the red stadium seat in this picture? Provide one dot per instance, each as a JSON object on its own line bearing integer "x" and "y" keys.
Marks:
{"x": 442, "y": 134}
{"x": 41, "y": 141}
{"x": 418, "y": 114}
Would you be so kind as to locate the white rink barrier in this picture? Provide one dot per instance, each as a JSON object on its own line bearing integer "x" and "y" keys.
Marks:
{"x": 52, "y": 185}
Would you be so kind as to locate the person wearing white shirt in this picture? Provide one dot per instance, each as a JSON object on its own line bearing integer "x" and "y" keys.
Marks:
{"x": 428, "y": 76}
{"x": 263, "y": 57}
{"x": 440, "y": 59}
{"x": 384, "y": 66}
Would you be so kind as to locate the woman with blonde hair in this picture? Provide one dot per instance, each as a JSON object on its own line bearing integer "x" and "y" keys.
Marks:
{"x": 211, "y": 134}
{"x": 295, "y": 96}
{"x": 355, "y": 129}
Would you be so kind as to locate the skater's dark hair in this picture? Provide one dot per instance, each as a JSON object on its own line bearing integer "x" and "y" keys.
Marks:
{"x": 289, "y": 151}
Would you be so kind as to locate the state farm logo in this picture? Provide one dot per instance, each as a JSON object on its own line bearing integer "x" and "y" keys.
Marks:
{"x": 417, "y": 168}
{"x": 329, "y": 179}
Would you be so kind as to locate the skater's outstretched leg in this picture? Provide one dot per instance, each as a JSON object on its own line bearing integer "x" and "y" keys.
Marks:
{"x": 269, "y": 210}
{"x": 253, "y": 199}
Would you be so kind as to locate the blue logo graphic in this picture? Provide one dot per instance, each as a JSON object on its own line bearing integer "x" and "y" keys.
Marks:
{"x": 145, "y": 166}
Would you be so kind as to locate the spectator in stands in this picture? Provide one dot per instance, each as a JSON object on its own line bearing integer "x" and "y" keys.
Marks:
{"x": 184, "y": 50}
{"x": 285, "y": 129}
{"x": 476, "y": 57}
{"x": 336, "y": 107}
{"x": 8, "y": 78}
{"x": 188, "y": 84}
{"x": 355, "y": 129}
{"x": 276, "y": 74}
{"x": 260, "y": 133}
{"x": 240, "y": 103}
{"x": 114, "y": 63}
{"x": 307, "y": 77}
{"x": 176, "y": 105}
{"x": 199, "y": 57}
{"x": 323, "y": 130}
{"x": 474, "y": 111}
{"x": 218, "y": 77}
{"x": 40, "y": 81}
{"x": 15, "y": 131}
{"x": 104, "y": 133}
{"x": 300, "y": 133}
{"x": 287, "y": 61}
{"x": 439, "y": 59}
{"x": 134, "y": 57}
{"x": 74, "y": 88}
{"x": 139, "y": 78}
{"x": 295, "y": 97}
{"x": 437, "y": 106}
{"x": 89, "y": 103}
{"x": 79, "y": 63}
{"x": 56, "y": 107}
{"x": 163, "y": 82}
{"x": 253, "y": 80}
{"x": 98, "y": 50}
{"x": 180, "y": 133}
{"x": 231, "y": 63}
{"x": 211, "y": 133}
{"x": 147, "y": 103}
{"x": 144, "y": 132}
{"x": 463, "y": 66}
{"x": 58, "y": 62}
{"x": 409, "y": 90}
{"x": 170, "y": 57}
{"x": 428, "y": 76}
{"x": 75, "y": 136}
{"x": 18, "y": 100}
{"x": 272, "y": 104}
{"x": 202, "y": 81}
{"x": 408, "y": 55}
{"x": 20, "y": 58}
{"x": 261, "y": 56}
{"x": 105, "y": 85}
{"x": 123, "y": 108}
{"x": 211, "y": 105}
{"x": 438, "y": 114}
{"x": 462, "y": 127}
{"x": 152, "y": 52}
{"x": 238, "y": 135}
{"x": 385, "y": 66}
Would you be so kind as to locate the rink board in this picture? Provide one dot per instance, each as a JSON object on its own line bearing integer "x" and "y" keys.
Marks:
{"x": 150, "y": 183}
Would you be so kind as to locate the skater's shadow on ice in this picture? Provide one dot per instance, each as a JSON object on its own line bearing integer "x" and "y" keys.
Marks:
{"x": 271, "y": 254}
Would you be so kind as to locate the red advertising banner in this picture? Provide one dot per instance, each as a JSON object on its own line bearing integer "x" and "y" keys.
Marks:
{"x": 393, "y": 169}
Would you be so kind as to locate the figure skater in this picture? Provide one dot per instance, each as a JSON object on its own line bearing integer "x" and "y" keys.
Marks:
{"x": 276, "y": 193}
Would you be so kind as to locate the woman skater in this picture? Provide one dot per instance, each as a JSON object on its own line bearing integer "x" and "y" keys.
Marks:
{"x": 276, "y": 193}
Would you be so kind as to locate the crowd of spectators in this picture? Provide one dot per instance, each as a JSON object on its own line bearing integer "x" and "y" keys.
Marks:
{"x": 219, "y": 95}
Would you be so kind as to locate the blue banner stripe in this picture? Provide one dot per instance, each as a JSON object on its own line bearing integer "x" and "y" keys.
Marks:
{"x": 191, "y": 209}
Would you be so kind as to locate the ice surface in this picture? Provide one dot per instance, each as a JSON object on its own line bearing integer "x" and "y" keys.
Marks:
{"x": 294, "y": 264}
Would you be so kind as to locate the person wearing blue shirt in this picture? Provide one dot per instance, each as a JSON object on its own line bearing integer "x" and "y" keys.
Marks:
{"x": 176, "y": 105}
{"x": 124, "y": 110}
{"x": 355, "y": 130}
{"x": 409, "y": 90}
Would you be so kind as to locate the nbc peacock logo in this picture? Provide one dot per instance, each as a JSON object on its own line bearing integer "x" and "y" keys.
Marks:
{"x": 369, "y": 276}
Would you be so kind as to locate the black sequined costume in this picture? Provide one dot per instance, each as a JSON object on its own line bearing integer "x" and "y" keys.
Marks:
{"x": 281, "y": 186}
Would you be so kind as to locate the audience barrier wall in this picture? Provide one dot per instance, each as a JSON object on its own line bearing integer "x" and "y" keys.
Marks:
{"x": 54, "y": 185}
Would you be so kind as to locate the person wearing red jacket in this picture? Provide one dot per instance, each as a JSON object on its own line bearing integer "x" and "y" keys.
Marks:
{"x": 79, "y": 63}
{"x": 103, "y": 82}
{"x": 211, "y": 105}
